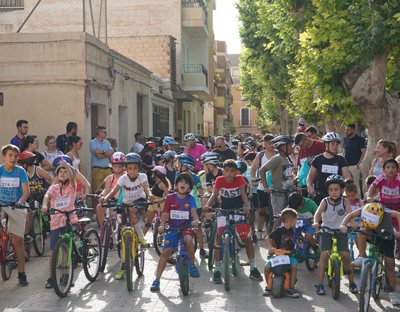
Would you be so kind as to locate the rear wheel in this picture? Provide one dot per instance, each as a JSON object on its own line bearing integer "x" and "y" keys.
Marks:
{"x": 158, "y": 239}
{"x": 92, "y": 255}
{"x": 62, "y": 271}
{"x": 311, "y": 262}
{"x": 139, "y": 260}
{"x": 277, "y": 286}
{"x": 9, "y": 257}
{"x": 336, "y": 279}
{"x": 183, "y": 267}
{"x": 212, "y": 244}
{"x": 105, "y": 243}
{"x": 37, "y": 234}
{"x": 227, "y": 260}
{"x": 365, "y": 288}
{"x": 128, "y": 260}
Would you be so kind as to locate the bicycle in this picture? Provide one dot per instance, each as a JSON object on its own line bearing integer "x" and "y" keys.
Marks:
{"x": 72, "y": 248}
{"x": 158, "y": 239}
{"x": 302, "y": 249}
{"x": 40, "y": 223}
{"x": 352, "y": 236}
{"x": 391, "y": 208}
{"x": 132, "y": 253}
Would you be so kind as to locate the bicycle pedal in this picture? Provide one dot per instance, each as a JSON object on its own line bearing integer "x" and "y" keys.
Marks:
{"x": 244, "y": 263}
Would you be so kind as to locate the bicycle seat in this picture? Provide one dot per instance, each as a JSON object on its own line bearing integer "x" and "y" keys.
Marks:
{"x": 84, "y": 221}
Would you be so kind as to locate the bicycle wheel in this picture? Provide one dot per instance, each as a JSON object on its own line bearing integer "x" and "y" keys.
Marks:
{"x": 105, "y": 243}
{"x": 227, "y": 268}
{"x": 62, "y": 271}
{"x": 378, "y": 283}
{"x": 158, "y": 239}
{"x": 269, "y": 221}
{"x": 336, "y": 279}
{"x": 183, "y": 272}
{"x": 365, "y": 288}
{"x": 37, "y": 234}
{"x": 213, "y": 242}
{"x": 235, "y": 257}
{"x": 27, "y": 252}
{"x": 311, "y": 261}
{"x": 139, "y": 259}
{"x": 92, "y": 255}
{"x": 128, "y": 260}
{"x": 8, "y": 254}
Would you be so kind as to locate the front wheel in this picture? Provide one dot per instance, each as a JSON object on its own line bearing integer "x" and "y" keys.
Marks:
{"x": 377, "y": 283}
{"x": 335, "y": 279}
{"x": 37, "y": 234}
{"x": 365, "y": 288}
{"x": 212, "y": 244}
{"x": 9, "y": 256}
{"x": 92, "y": 255}
{"x": 105, "y": 243}
{"x": 235, "y": 259}
{"x": 62, "y": 271}
{"x": 227, "y": 268}
{"x": 183, "y": 271}
{"x": 128, "y": 260}
{"x": 139, "y": 260}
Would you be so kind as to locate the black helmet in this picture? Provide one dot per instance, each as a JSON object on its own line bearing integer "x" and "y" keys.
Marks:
{"x": 335, "y": 178}
{"x": 187, "y": 177}
{"x": 242, "y": 166}
{"x": 281, "y": 140}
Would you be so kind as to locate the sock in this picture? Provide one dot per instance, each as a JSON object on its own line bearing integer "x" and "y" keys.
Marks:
{"x": 252, "y": 263}
{"x": 138, "y": 230}
{"x": 218, "y": 266}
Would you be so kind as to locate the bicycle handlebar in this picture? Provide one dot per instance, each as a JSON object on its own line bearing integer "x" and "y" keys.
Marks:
{"x": 385, "y": 234}
{"x": 385, "y": 203}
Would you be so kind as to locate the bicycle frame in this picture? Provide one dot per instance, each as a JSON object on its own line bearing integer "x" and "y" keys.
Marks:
{"x": 108, "y": 220}
{"x": 334, "y": 254}
{"x": 298, "y": 239}
{"x": 374, "y": 259}
{"x": 182, "y": 252}
{"x": 3, "y": 238}
{"x": 134, "y": 238}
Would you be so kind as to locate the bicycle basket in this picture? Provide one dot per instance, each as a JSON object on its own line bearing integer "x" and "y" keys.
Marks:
{"x": 243, "y": 230}
{"x": 280, "y": 264}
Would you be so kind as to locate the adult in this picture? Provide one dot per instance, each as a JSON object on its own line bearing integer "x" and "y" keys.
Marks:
{"x": 51, "y": 152}
{"x": 193, "y": 149}
{"x": 228, "y": 139}
{"x": 384, "y": 149}
{"x": 320, "y": 134}
{"x": 31, "y": 144}
{"x": 62, "y": 139}
{"x": 325, "y": 165}
{"x": 22, "y": 131}
{"x": 74, "y": 145}
{"x": 223, "y": 150}
{"x": 354, "y": 151}
{"x": 138, "y": 146}
{"x": 206, "y": 142}
{"x": 311, "y": 133}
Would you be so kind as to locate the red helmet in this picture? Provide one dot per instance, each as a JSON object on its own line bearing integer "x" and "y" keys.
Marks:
{"x": 27, "y": 158}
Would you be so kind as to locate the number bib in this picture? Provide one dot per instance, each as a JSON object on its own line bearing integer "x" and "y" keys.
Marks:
{"x": 131, "y": 196}
{"x": 329, "y": 169}
{"x": 390, "y": 191}
{"x": 179, "y": 215}
{"x": 370, "y": 218}
{"x": 280, "y": 260}
{"x": 61, "y": 203}
{"x": 9, "y": 182}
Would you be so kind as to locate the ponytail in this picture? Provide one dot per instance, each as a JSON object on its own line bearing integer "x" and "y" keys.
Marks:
{"x": 71, "y": 140}
{"x": 350, "y": 186}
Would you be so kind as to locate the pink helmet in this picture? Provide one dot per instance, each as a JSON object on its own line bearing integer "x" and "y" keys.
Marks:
{"x": 302, "y": 121}
{"x": 160, "y": 170}
{"x": 117, "y": 158}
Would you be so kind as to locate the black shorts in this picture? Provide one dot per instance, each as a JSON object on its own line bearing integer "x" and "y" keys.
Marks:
{"x": 263, "y": 199}
{"x": 326, "y": 242}
{"x": 254, "y": 201}
{"x": 385, "y": 247}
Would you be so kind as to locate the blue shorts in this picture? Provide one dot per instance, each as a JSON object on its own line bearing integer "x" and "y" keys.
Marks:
{"x": 55, "y": 235}
{"x": 292, "y": 260}
{"x": 308, "y": 229}
{"x": 172, "y": 238}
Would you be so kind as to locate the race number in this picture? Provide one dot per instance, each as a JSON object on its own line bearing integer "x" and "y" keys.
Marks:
{"x": 329, "y": 169}
{"x": 390, "y": 191}
{"x": 299, "y": 223}
{"x": 280, "y": 260}
{"x": 179, "y": 215}
{"x": 9, "y": 182}
{"x": 370, "y": 218}
{"x": 61, "y": 203}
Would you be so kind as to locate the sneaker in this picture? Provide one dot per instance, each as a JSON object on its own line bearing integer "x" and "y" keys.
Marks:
{"x": 217, "y": 278}
{"x": 94, "y": 217}
{"x": 144, "y": 242}
{"x": 259, "y": 235}
{"x": 394, "y": 298}
{"x": 49, "y": 283}
{"x": 255, "y": 275}
{"x": 292, "y": 293}
{"x": 156, "y": 285}
{"x": 267, "y": 291}
{"x": 22, "y": 280}
{"x": 353, "y": 288}
{"x": 203, "y": 254}
{"x": 358, "y": 262}
{"x": 121, "y": 274}
{"x": 28, "y": 238}
{"x": 320, "y": 289}
{"x": 194, "y": 272}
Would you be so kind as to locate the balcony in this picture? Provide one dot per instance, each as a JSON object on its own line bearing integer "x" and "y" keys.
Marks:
{"x": 195, "y": 18}
{"x": 11, "y": 5}
{"x": 195, "y": 79}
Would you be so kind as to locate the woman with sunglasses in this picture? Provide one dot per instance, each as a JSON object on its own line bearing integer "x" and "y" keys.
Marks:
{"x": 384, "y": 150}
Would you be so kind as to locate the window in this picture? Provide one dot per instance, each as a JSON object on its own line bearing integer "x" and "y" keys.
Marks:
{"x": 244, "y": 116}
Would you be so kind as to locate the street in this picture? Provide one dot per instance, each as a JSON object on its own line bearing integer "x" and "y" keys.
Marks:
{"x": 107, "y": 294}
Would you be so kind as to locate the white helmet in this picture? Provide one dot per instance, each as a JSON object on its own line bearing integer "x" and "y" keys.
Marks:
{"x": 189, "y": 136}
{"x": 331, "y": 137}
{"x": 210, "y": 158}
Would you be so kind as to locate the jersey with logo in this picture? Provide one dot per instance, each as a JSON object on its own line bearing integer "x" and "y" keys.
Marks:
{"x": 132, "y": 190}
{"x": 11, "y": 184}
{"x": 230, "y": 192}
{"x": 179, "y": 210}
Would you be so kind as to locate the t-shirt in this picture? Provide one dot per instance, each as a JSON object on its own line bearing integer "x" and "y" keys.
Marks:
{"x": 179, "y": 210}
{"x": 228, "y": 154}
{"x": 283, "y": 238}
{"x": 308, "y": 210}
{"x": 196, "y": 152}
{"x": 171, "y": 175}
{"x": 352, "y": 147}
{"x": 16, "y": 141}
{"x": 132, "y": 190}
{"x": 282, "y": 170}
{"x": 197, "y": 186}
{"x": 104, "y": 146}
{"x": 230, "y": 192}
{"x": 64, "y": 201}
{"x": 62, "y": 143}
{"x": 326, "y": 167}
{"x": 389, "y": 192}
{"x": 315, "y": 149}
{"x": 210, "y": 178}
{"x": 11, "y": 184}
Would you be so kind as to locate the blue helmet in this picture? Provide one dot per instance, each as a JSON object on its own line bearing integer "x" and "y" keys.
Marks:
{"x": 167, "y": 156}
{"x": 57, "y": 161}
{"x": 335, "y": 178}
{"x": 187, "y": 160}
{"x": 132, "y": 158}
{"x": 169, "y": 141}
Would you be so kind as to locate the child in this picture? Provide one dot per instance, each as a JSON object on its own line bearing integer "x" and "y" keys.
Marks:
{"x": 282, "y": 238}
{"x": 185, "y": 212}
{"x": 375, "y": 219}
{"x": 368, "y": 182}
{"x": 62, "y": 197}
{"x": 332, "y": 211}
{"x": 134, "y": 186}
{"x": 160, "y": 189}
{"x": 148, "y": 160}
{"x": 301, "y": 127}
{"x": 210, "y": 162}
{"x": 186, "y": 163}
{"x": 355, "y": 203}
{"x": 306, "y": 209}
{"x": 231, "y": 188}
{"x": 169, "y": 161}
{"x": 15, "y": 188}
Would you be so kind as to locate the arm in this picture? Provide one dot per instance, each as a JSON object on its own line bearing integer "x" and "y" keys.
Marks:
{"x": 344, "y": 152}
{"x": 107, "y": 187}
{"x": 254, "y": 167}
{"x": 318, "y": 215}
{"x": 69, "y": 172}
{"x": 146, "y": 188}
{"x": 25, "y": 194}
{"x": 195, "y": 222}
{"x": 371, "y": 171}
{"x": 85, "y": 183}
{"x": 349, "y": 217}
{"x": 346, "y": 173}
{"x": 270, "y": 245}
{"x": 347, "y": 207}
{"x": 263, "y": 177}
{"x": 164, "y": 218}
{"x": 111, "y": 194}
{"x": 310, "y": 180}
{"x": 212, "y": 198}
{"x": 371, "y": 192}
{"x": 246, "y": 208}
{"x": 46, "y": 165}
{"x": 363, "y": 150}
{"x": 45, "y": 175}
{"x": 396, "y": 214}
{"x": 45, "y": 204}
{"x": 102, "y": 154}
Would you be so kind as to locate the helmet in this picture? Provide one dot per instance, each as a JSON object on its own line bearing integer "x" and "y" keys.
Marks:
{"x": 372, "y": 215}
{"x": 331, "y": 137}
{"x": 302, "y": 121}
{"x": 167, "y": 156}
{"x": 243, "y": 230}
{"x": 132, "y": 158}
{"x": 149, "y": 144}
{"x": 27, "y": 158}
{"x": 335, "y": 178}
{"x": 189, "y": 136}
{"x": 169, "y": 141}
{"x": 160, "y": 169}
{"x": 249, "y": 139}
{"x": 187, "y": 177}
{"x": 212, "y": 140}
{"x": 70, "y": 168}
{"x": 157, "y": 139}
{"x": 187, "y": 160}
{"x": 117, "y": 158}
{"x": 210, "y": 158}
{"x": 252, "y": 144}
{"x": 59, "y": 159}
{"x": 242, "y": 166}
{"x": 235, "y": 142}
{"x": 246, "y": 146}
{"x": 249, "y": 155}
{"x": 281, "y": 140}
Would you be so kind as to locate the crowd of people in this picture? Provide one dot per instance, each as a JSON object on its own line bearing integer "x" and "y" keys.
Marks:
{"x": 237, "y": 172}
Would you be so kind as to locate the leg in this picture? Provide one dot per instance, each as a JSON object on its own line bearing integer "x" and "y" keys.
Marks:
{"x": 249, "y": 248}
{"x": 262, "y": 213}
{"x": 189, "y": 248}
{"x": 321, "y": 266}
{"x": 150, "y": 217}
{"x": 390, "y": 272}
{"x": 266, "y": 272}
{"x": 347, "y": 264}
{"x": 166, "y": 253}
{"x": 293, "y": 275}
{"x": 19, "y": 246}
{"x": 199, "y": 234}
{"x": 101, "y": 214}
{"x": 28, "y": 223}
{"x": 310, "y": 239}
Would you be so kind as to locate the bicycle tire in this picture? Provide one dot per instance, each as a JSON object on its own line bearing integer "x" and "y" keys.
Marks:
{"x": 37, "y": 234}
{"x": 235, "y": 257}
{"x": 27, "y": 251}
{"x": 269, "y": 221}
{"x": 105, "y": 243}
{"x": 7, "y": 266}
{"x": 158, "y": 239}
{"x": 365, "y": 288}
{"x": 311, "y": 263}
{"x": 336, "y": 278}
{"x": 378, "y": 283}
{"x": 227, "y": 267}
{"x": 183, "y": 272}
{"x": 139, "y": 259}
{"x": 277, "y": 286}
{"x": 128, "y": 260}
{"x": 92, "y": 255}
{"x": 62, "y": 274}
{"x": 211, "y": 245}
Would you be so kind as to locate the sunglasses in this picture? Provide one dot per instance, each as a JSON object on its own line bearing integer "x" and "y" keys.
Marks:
{"x": 219, "y": 146}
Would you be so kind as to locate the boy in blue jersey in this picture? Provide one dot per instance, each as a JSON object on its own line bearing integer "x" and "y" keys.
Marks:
{"x": 180, "y": 210}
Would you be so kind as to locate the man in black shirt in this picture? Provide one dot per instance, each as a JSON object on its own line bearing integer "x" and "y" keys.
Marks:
{"x": 62, "y": 139}
{"x": 223, "y": 150}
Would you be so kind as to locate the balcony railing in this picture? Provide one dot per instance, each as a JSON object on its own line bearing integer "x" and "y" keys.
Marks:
{"x": 195, "y": 69}
{"x": 193, "y": 3}
{"x": 11, "y": 4}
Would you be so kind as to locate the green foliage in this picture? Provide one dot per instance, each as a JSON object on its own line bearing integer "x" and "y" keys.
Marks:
{"x": 233, "y": 129}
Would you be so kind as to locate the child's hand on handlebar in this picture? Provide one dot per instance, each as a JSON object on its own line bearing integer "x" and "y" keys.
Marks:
{"x": 315, "y": 226}
{"x": 195, "y": 223}
{"x": 343, "y": 229}
{"x": 246, "y": 209}
{"x": 161, "y": 229}
{"x": 271, "y": 251}
{"x": 205, "y": 208}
